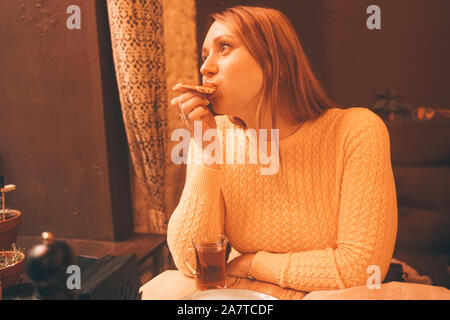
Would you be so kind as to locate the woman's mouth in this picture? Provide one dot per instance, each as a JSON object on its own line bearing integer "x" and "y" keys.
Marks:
{"x": 213, "y": 95}
{"x": 212, "y": 98}
{"x": 210, "y": 83}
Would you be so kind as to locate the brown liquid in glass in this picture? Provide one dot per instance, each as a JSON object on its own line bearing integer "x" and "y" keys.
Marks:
{"x": 211, "y": 270}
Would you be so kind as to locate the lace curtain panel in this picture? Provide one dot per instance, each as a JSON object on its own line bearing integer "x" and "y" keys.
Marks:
{"x": 154, "y": 46}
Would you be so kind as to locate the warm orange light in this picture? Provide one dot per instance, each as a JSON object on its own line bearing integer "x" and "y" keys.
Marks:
{"x": 47, "y": 236}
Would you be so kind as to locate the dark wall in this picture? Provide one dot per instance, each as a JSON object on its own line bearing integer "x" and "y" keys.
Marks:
{"x": 62, "y": 141}
{"x": 410, "y": 52}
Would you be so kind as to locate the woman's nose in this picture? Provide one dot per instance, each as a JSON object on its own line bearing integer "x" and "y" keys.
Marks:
{"x": 209, "y": 68}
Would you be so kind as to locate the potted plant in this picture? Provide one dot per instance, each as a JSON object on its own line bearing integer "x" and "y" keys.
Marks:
{"x": 9, "y": 219}
{"x": 390, "y": 106}
{"x": 12, "y": 263}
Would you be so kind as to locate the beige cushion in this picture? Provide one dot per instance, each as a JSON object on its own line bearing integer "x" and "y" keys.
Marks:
{"x": 388, "y": 291}
{"x": 169, "y": 285}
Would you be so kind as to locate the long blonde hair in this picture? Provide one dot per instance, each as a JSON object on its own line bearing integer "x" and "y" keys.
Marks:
{"x": 289, "y": 83}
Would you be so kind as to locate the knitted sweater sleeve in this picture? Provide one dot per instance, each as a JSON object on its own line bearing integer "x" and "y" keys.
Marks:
{"x": 199, "y": 214}
{"x": 367, "y": 218}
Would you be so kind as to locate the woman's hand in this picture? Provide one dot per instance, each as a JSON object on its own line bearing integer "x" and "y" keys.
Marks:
{"x": 193, "y": 106}
{"x": 240, "y": 266}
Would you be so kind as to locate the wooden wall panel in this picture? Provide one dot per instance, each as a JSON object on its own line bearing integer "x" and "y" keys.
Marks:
{"x": 62, "y": 139}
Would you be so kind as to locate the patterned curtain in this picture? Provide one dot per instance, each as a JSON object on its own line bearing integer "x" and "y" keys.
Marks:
{"x": 154, "y": 47}
{"x": 138, "y": 48}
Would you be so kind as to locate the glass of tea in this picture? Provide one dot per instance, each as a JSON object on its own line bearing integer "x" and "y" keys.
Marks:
{"x": 210, "y": 255}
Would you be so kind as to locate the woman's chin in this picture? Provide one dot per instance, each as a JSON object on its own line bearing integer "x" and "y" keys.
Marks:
{"x": 220, "y": 110}
{"x": 217, "y": 110}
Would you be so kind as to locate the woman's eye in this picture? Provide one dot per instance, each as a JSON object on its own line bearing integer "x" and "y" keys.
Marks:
{"x": 223, "y": 45}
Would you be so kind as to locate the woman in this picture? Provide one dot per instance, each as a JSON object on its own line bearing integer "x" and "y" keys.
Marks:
{"x": 330, "y": 210}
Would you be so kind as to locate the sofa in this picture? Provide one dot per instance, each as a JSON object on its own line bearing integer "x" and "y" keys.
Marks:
{"x": 420, "y": 155}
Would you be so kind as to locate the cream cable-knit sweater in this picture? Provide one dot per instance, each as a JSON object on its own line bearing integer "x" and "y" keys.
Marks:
{"x": 327, "y": 215}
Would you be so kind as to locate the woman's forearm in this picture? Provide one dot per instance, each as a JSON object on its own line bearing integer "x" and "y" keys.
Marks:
{"x": 200, "y": 212}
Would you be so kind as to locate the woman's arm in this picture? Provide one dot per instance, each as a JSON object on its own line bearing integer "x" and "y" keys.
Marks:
{"x": 200, "y": 211}
{"x": 367, "y": 218}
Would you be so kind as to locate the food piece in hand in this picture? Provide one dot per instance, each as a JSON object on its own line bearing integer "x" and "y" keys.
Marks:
{"x": 182, "y": 87}
{"x": 207, "y": 90}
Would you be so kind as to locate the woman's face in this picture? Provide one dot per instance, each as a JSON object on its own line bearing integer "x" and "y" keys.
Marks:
{"x": 230, "y": 66}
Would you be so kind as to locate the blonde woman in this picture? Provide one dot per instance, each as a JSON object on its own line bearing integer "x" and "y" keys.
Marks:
{"x": 329, "y": 211}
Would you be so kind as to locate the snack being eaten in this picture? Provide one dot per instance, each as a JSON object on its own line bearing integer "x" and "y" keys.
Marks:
{"x": 206, "y": 90}
{"x": 182, "y": 87}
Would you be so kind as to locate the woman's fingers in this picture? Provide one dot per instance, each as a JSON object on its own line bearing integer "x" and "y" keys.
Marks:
{"x": 198, "y": 113}
{"x": 192, "y": 105}
{"x": 182, "y": 98}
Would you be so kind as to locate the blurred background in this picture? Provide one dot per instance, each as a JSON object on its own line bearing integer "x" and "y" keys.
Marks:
{"x": 85, "y": 120}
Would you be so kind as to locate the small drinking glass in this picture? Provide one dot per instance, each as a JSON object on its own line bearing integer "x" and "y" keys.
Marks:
{"x": 210, "y": 271}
